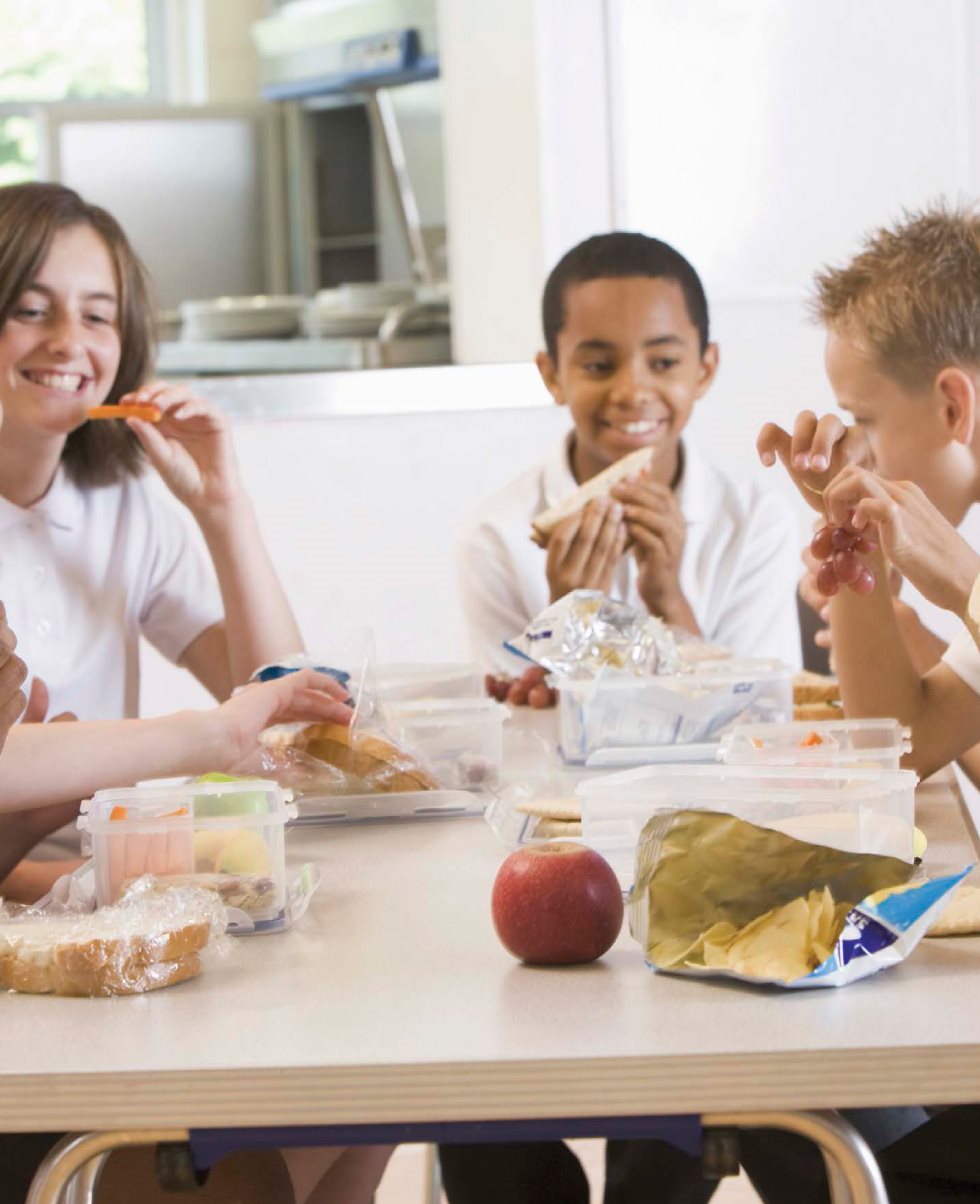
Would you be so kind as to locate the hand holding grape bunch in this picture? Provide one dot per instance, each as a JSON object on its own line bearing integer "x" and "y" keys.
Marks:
{"x": 840, "y": 551}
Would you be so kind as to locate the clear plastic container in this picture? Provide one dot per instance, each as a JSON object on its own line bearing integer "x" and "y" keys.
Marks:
{"x": 410, "y": 682}
{"x": 325, "y": 810}
{"x": 853, "y": 743}
{"x": 225, "y": 835}
{"x": 856, "y": 810}
{"x": 619, "y": 711}
{"x": 461, "y": 740}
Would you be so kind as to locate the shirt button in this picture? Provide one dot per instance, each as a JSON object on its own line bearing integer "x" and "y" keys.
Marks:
{"x": 43, "y": 627}
{"x": 40, "y": 572}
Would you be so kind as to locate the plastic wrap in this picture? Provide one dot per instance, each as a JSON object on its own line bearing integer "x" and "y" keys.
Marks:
{"x": 585, "y": 632}
{"x": 716, "y": 895}
{"x": 280, "y": 760}
{"x": 368, "y": 761}
{"x": 146, "y": 941}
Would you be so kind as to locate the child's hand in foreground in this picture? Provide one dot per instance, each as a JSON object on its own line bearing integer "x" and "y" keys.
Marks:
{"x": 656, "y": 530}
{"x": 530, "y": 689}
{"x": 305, "y": 696}
{"x": 913, "y": 534}
{"x": 584, "y": 549}
{"x": 13, "y": 674}
{"x": 818, "y": 449}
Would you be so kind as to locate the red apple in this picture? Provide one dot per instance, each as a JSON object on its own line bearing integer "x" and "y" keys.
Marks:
{"x": 556, "y": 904}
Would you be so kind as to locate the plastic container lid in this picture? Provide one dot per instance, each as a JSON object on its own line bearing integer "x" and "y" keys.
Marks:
{"x": 231, "y": 799}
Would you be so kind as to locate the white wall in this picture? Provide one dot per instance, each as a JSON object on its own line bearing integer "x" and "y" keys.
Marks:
{"x": 527, "y": 159}
{"x": 761, "y": 137}
{"x": 211, "y": 56}
{"x": 360, "y": 515}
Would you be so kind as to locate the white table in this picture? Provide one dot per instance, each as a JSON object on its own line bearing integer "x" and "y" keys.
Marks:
{"x": 393, "y": 1002}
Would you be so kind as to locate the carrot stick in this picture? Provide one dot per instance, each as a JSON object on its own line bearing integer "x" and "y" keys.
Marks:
{"x": 149, "y": 411}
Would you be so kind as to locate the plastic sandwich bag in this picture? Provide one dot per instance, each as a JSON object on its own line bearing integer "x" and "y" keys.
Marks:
{"x": 715, "y": 895}
{"x": 368, "y": 757}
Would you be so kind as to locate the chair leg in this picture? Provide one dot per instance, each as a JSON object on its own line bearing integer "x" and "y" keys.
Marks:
{"x": 80, "y": 1189}
{"x": 433, "y": 1176}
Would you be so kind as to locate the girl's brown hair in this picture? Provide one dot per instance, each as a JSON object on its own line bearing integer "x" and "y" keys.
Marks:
{"x": 98, "y": 453}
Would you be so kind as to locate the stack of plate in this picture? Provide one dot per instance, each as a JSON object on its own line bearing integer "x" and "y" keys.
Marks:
{"x": 329, "y": 315}
{"x": 257, "y": 317}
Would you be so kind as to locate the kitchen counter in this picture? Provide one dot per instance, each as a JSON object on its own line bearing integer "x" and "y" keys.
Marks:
{"x": 237, "y": 356}
{"x": 420, "y": 390}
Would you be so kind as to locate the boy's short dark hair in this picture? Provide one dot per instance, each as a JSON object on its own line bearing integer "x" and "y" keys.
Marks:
{"x": 619, "y": 254}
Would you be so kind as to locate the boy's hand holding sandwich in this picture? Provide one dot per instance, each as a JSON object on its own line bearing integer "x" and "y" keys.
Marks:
{"x": 656, "y": 530}
{"x": 584, "y": 549}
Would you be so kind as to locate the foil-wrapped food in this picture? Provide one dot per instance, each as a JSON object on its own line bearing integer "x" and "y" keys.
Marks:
{"x": 585, "y": 632}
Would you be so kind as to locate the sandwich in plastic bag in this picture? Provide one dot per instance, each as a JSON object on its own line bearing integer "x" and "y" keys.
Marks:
{"x": 146, "y": 941}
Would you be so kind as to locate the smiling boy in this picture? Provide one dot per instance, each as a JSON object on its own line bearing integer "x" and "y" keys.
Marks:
{"x": 627, "y": 350}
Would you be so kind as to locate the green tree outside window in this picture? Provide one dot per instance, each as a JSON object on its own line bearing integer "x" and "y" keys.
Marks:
{"x": 65, "y": 50}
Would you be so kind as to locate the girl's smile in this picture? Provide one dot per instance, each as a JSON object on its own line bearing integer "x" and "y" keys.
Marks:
{"x": 59, "y": 347}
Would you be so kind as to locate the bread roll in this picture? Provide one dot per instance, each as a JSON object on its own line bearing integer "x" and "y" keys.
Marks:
{"x": 380, "y": 764}
{"x": 601, "y": 485}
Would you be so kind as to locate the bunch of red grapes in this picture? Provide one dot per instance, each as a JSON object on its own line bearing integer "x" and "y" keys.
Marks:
{"x": 839, "y": 550}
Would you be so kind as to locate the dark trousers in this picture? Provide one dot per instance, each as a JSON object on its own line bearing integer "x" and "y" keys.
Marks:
{"x": 20, "y": 1156}
{"x": 547, "y": 1172}
{"x": 938, "y": 1162}
{"x": 923, "y": 1160}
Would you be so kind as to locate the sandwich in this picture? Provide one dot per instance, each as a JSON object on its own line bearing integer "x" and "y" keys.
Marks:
{"x": 125, "y": 949}
{"x": 601, "y": 485}
{"x": 816, "y": 696}
{"x": 372, "y": 760}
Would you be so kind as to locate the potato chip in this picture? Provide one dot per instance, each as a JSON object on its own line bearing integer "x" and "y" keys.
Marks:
{"x": 717, "y": 941}
{"x": 776, "y": 945}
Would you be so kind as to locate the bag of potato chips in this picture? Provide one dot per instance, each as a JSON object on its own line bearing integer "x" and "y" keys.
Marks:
{"x": 719, "y": 896}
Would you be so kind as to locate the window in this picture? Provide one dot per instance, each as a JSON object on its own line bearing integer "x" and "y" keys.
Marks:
{"x": 69, "y": 50}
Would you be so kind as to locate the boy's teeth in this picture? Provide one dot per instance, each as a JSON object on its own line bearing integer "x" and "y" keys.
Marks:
{"x": 68, "y": 382}
{"x": 637, "y": 428}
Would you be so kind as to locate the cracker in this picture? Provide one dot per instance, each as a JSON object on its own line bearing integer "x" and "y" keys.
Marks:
{"x": 962, "y": 914}
{"x": 552, "y": 808}
{"x": 546, "y": 829}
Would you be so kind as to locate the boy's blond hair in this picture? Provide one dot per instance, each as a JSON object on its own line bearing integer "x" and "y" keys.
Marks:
{"x": 911, "y": 297}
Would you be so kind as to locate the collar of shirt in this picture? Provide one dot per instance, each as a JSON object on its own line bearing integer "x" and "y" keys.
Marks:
{"x": 61, "y": 506}
{"x": 692, "y": 492}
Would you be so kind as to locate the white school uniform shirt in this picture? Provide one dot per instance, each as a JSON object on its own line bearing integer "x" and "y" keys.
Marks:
{"x": 739, "y": 567}
{"x": 84, "y": 573}
{"x": 963, "y": 657}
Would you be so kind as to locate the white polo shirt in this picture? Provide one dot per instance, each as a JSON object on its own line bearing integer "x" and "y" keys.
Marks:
{"x": 963, "y": 657}
{"x": 84, "y": 573}
{"x": 739, "y": 568}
